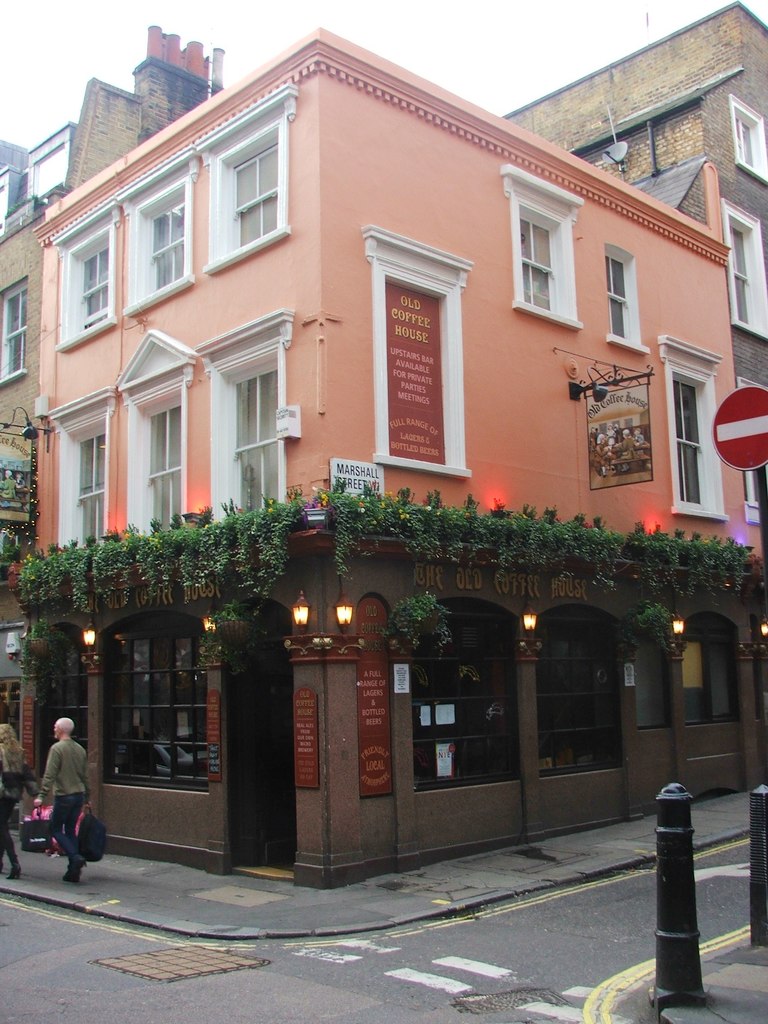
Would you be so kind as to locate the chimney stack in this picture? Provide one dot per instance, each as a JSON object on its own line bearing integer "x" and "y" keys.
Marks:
{"x": 171, "y": 81}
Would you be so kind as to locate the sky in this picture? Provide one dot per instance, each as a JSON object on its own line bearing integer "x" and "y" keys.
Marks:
{"x": 498, "y": 54}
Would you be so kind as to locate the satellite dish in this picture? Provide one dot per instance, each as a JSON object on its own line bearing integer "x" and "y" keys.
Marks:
{"x": 616, "y": 152}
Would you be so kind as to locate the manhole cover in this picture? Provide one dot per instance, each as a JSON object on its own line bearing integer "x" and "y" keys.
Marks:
{"x": 507, "y": 1000}
{"x": 178, "y": 963}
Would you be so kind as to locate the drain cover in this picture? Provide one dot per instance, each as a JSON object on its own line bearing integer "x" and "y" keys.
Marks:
{"x": 507, "y": 1000}
{"x": 180, "y": 962}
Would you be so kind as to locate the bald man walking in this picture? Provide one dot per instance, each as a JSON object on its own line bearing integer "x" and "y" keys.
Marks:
{"x": 66, "y": 776}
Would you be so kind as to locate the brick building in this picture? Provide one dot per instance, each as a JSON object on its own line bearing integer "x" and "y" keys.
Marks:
{"x": 168, "y": 83}
{"x": 300, "y": 294}
{"x": 700, "y": 95}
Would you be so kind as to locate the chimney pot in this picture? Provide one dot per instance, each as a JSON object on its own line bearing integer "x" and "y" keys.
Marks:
{"x": 173, "y": 49}
{"x": 194, "y": 60}
{"x": 217, "y": 75}
{"x": 155, "y": 42}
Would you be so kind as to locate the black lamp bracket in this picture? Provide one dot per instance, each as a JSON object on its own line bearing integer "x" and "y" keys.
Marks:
{"x": 27, "y": 429}
{"x": 601, "y": 382}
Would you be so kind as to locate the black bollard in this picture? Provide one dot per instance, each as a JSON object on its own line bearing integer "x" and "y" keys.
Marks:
{"x": 758, "y": 866}
{"x": 678, "y": 966}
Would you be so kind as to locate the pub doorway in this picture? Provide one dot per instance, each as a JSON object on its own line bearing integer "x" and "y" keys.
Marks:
{"x": 262, "y": 795}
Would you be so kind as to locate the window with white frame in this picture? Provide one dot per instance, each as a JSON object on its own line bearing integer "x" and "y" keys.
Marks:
{"x": 92, "y": 481}
{"x": 751, "y": 499}
{"x": 256, "y": 450}
{"x": 746, "y": 270}
{"x": 417, "y": 320}
{"x": 83, "y": 429}
{"x": 543, "y": 270}
{"x": 248, "y": 164}
{"x": 49, "y": 162}
{"x": 160, "y": 213}
{"x": 247, "y": 370}
{"x": 749, "y": 138}
{"x": 621, "y": 285}
{"x": 691, "y": 402}
{"x": 165, "y": 464}
{"x": 14, "y": 331}
{"x": 154, "y": 386}
{"x": 88, "y": 281}
{"x": 4, "y": 190}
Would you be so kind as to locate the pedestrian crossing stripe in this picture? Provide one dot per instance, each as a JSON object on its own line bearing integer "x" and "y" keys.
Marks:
{"x": 430, "y": 980}
{"x": 473, "y": 966}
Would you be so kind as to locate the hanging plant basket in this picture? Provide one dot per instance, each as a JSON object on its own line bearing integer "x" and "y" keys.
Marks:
{"x": 234, "y": 632}
{"x": 39, "y": 647}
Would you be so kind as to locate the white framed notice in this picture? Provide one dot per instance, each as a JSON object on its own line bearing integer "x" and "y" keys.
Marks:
{"x": 402, "y": 677}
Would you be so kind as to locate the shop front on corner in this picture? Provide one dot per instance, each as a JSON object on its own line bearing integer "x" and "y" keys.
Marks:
{"x": 520, "y": 705}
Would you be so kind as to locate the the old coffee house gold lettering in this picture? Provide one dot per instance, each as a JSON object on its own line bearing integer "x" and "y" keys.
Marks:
{"x": 568, "y": 586}
{"x": 194, "y": 591}
{"x": 426, "y": 575}
{"x": 516, "y": 584}
{"x": 468, "y": 579}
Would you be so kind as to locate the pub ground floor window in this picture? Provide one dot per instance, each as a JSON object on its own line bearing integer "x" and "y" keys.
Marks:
{"x": 465, "y": 723}
{"x": 577, "y": 691}
{"x": 156, "y": 703}
{"x": 709, "y": 669}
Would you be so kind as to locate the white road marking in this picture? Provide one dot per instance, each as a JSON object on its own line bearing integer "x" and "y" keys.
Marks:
{"x": 430, "y": 980}
{"x": 367, "y": 944}
{"x": 558, "y": 1013}
{"x": 326, "y": 954}
{"x": 577, "y": 992}
{"x": 725, "y": 871}
{"x": 473, "y": 966}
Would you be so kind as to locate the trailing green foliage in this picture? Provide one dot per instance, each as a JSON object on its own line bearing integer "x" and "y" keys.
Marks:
{"x": 47, "y": 651}
{"x": 250, "y": 549}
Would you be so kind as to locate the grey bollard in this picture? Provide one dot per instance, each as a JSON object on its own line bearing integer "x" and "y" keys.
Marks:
{"x": 678, "y": 965}
{"x": 758, "y": 866}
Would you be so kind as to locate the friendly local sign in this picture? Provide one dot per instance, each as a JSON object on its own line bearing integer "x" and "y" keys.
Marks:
{"x": 740, "y": 428}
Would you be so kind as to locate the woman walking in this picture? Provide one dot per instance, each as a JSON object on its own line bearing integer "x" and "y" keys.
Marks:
{"x": 15, "y": 776}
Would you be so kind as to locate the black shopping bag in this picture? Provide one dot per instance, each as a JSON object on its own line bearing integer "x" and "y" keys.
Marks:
{"x": 35, "y": 832}
{"x": 91, "y": 836}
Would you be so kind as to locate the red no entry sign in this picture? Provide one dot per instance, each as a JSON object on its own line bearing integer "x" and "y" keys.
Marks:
{"x": 740, "y": 428}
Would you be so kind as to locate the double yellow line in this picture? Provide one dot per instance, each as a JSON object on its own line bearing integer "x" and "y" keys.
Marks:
{"x": 601, "y": 1002}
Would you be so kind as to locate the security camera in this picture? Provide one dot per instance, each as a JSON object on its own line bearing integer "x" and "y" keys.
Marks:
{"x": 12, "y": 645}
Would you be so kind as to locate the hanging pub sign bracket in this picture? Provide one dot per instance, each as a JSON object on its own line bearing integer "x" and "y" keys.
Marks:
{"x": 601, "y": 382}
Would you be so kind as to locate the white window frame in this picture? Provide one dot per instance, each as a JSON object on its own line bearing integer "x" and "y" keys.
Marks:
{"x": 5, "y": 189}
{"x": 230, "y": 359}
{"x": 555, "y": 210}
{"x": 156, "y": 378}
{"x": 76, "y": 246}
{"x": 423, "y": 268}
{"x": 77, "y": 422}
{"x": 751, "y": 502}
{"x": 754, "y": 275}
{"x": 697, "y": 367}
{"x": 744, "y": 117}
{"x": 143, "y": 202}
{"x": 16, "y": 292}
{"x": 165, "y": 472}
{"x": 229, "y": 147}
{"x": 633, "y": 337}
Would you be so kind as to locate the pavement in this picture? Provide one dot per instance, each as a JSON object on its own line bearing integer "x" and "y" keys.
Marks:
{"x": 188, "y": 902}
